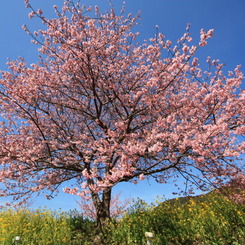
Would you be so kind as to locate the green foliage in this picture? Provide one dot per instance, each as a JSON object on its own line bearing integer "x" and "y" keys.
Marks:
{"x": 209, "y": 220}
{"x": 34, "y": 227}
{"x": 83, "y": 229}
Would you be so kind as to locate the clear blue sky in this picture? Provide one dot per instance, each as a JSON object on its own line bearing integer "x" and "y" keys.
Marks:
{"x": 227, "y": 17}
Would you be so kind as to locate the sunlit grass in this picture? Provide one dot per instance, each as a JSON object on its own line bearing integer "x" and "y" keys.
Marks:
{"x": 34, "y": 227}
{"x": 210, "y": 219}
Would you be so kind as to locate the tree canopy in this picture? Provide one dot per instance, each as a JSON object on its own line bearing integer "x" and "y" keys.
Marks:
{"x": 101, "y": 108}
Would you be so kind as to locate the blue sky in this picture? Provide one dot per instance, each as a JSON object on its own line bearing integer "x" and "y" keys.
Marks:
{"x": 227, "y": 17}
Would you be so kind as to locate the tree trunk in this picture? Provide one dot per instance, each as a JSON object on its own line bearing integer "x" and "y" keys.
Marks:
{"x": 102, "y": 206}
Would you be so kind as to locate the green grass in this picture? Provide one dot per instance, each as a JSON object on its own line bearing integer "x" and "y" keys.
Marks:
{"x": 211, "y": 219}
{"x": 34, "y": 227}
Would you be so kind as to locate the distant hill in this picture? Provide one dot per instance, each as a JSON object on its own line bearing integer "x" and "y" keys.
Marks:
{"x": 228, "y": 192}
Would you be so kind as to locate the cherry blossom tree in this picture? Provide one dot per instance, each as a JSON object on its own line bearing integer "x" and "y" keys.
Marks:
{"x": 118, "y": 207}
{"x": 100, "y": 108}
{"x": 235, "y": 189}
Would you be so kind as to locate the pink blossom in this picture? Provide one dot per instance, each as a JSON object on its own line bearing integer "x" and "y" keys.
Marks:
{"x": 141, "y": 177}
{"x": 210, "y": 33}
{"x": 31, "y": 14}
{"x": 24, "y": 27}
{"x": 39, "y": 11}
{"x": 102, "y": 109}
